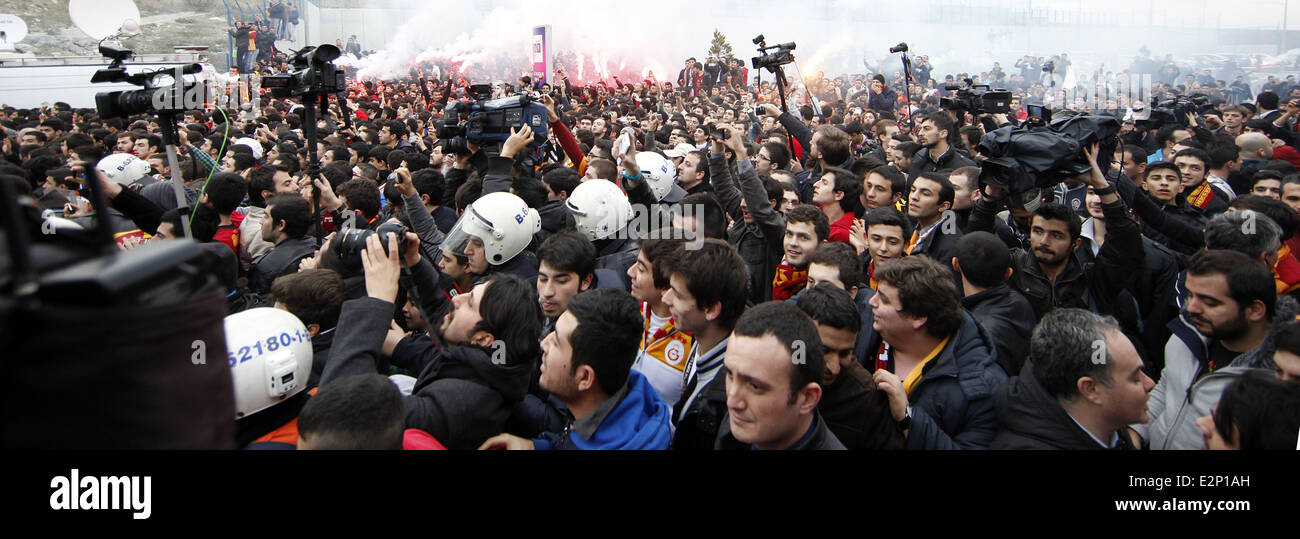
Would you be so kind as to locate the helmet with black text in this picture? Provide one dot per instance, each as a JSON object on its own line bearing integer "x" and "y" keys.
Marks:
{"x": 123, "y": 168}
{"x": 500, "y": 224}
{"x": 599, "y": 208}
{"x": 270, "y": 357}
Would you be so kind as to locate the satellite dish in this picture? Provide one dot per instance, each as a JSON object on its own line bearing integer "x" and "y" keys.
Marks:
{"x": 12, "y": 30}
{"x": 103, "y": 18}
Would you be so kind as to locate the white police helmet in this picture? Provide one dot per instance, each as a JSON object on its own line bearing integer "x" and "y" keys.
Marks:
{"x": 599, "y": 209}
{"x": 270, "y": 357}
{"x": 123, "y": 168}
{"x": 659, "y": 172}
{"x": 502, "y": 222}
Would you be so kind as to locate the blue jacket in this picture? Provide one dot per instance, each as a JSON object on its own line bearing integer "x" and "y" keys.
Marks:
{"x": 634, "y": 418}
{"x": 953, "y": 403}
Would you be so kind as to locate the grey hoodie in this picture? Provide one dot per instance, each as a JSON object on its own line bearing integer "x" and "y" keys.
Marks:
{"x": 1182, "y": 395}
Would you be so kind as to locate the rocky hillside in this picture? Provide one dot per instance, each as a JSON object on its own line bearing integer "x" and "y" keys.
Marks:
{"x": 164, "y": 24}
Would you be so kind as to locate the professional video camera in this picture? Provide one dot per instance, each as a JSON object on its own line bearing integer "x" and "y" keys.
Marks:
{"x": 159, "y": 96}
{"x": 313, "y": 74}
{"x": 977, "y": 99}
{"x": 485, "y": 121}
{"x": 1167, "y": 111}
{"x": 772, "y": 60}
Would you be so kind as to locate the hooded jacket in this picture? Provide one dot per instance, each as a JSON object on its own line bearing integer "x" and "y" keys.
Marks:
{"x": 1187, "y": 390}
{"x": 953, "y": 403}
{"x": 461, "y": 396}
{"x": 633, "y": 418}
{"x": 1030, "y": 418}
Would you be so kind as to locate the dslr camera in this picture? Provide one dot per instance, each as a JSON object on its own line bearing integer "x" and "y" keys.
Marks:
{"x": 485, "y": 121}
{"x": 349, "y": 243}
{"x": 977, "y": 98}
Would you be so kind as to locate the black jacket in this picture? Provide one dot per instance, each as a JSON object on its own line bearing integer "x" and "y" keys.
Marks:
{"x": 702, "y": 423}
{"x": 1009, "y": 320}
{"x": 857, "y": 413}
{"x": 461, "y": 397}
{"x": 883, "y": 101}
{"x": 822, "y": 438}
{"x": 953, "y": 403}
{"x": 1095, "y": 286}
{"x": 948, "y": 162}
{"x": 281, "y": 260}
{"x": 1030, "y": 418}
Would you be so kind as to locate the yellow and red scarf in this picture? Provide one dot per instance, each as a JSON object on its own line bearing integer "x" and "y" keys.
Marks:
{"x": 788, "y": 281}
{"x": 1201, "y": 196}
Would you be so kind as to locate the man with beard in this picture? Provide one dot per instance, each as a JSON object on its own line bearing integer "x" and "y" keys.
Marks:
{"x": 487, "y": 344}
{"x": 1226, "y": 331}
{"x": 1050, "y": 275}
{"x": 936, "y": 155}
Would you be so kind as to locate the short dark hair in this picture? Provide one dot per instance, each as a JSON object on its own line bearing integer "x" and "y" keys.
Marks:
{"x": 796, "y": 331}
{"x": 368, "y": 171}
{"x": 925, "y": 289}
{"x": 431, "y": 183}
{"x": 315, "y": 296}
{"x": 562, "y": 180}
{"x": 260, "y": 179}
{"x": 840, "y": 256}
{"x": 807, "y": 213}
{"x": 1061, "y": 350}
{"x": 1139, "y": 153}
{"x": 1287, "y": 339}
{"x": 941, "y": 119}
{"x": 1220, "y": 154}
{"x": 607, "y": 336}
{"x": 947, "y": 193}
{"x": 203, "y": 224}
{"x": 242, "y": 160}
{"x": 225, "y": 191}
{"x": 363, "y": 411}
{"x": 714, "y": 274}
{"x": 888, "y": 217}
{"x": 1060, "y": 212}
{"x": 711, "y": 215}
{"x": 778, "y": 153}
{"x": 832, "y": 306}
{"x": 1264, "y": 412}
{"x": 897, "y": 180}
{"x": 1158, "y": 165}
{"x": 511, "y": 313}
{"x": 1248, "y": 279}
{"x": 845, "y": 182}
{"x": 1267, "y": 100}
{"x": 294, "y": 210}
{"x": 362, "y": 196}
{"x": 569, "y": 251}
{"x": 1195, "y": 153}
{"x": 983, "y": 258}
{"x": 656, "y": 249}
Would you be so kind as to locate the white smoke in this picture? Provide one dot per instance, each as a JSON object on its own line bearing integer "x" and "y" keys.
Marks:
{"x": 632, "y": 39}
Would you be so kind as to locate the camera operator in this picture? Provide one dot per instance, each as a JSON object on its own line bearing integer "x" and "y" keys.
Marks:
{"x": 1050, "y": 275}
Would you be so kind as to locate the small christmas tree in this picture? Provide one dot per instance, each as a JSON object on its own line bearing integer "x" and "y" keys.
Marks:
{"x": 720, "y": 48}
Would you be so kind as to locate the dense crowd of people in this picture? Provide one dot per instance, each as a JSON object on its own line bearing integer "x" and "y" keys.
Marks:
{"x": 831, "y": 276}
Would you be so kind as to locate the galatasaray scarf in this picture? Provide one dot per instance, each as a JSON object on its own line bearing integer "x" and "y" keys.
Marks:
{"x": 788, "y": 281}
